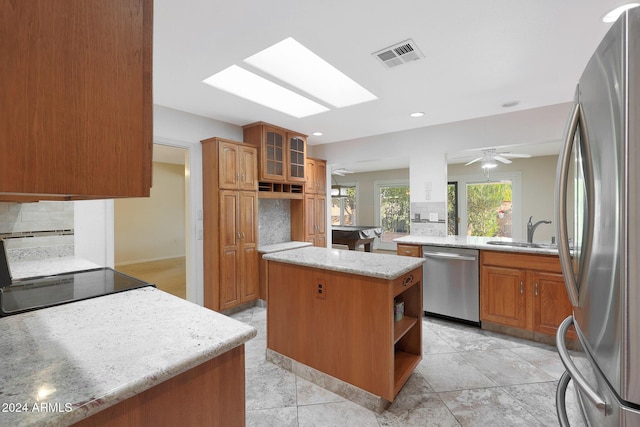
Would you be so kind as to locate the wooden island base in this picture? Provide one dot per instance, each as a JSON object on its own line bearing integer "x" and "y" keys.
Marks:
{"x": 342, "y": 325}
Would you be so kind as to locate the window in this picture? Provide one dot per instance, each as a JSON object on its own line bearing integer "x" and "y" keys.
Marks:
{"x": 452, "y": 208}
{"x": 343, "y": 206}
{"x": 486, "y": 208}
{"x": 392, "y": 211}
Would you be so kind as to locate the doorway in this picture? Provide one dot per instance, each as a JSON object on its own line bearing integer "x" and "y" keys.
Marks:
{"x": 392, "y": 210}
{"x": 150, "y": 234}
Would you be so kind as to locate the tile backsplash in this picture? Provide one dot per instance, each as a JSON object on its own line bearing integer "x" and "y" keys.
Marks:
{"x": 429, "y": 219}
{"x": 37, "y": 230}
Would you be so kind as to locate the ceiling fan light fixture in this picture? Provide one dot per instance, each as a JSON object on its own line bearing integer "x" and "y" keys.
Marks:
{"x": 488, "y": 164}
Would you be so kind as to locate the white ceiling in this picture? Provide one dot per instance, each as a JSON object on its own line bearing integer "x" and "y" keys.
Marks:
{"x": 478, "y": 56}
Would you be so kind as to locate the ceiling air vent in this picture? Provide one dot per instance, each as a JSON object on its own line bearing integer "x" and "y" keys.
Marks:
{"x": 399, "y": 53}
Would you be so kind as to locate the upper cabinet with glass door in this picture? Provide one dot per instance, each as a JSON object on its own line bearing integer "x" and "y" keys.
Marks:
{"x": 282, "y": 153}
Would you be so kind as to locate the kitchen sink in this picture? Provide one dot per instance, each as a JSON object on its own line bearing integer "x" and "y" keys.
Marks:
{"x": 523, "y": 244}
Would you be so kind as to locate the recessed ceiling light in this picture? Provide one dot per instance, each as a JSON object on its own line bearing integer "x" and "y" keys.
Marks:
{"x": 615, "y": 13}
{"x": 317, "y": 134}
{"x": 417, "y": 114}
{"x": 510, "y": 104}
{"x": 296, "y": 65}
{"x": 248, "y": 85}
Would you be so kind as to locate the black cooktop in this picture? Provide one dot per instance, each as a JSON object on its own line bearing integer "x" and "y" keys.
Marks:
{"x": 35, "y": 293}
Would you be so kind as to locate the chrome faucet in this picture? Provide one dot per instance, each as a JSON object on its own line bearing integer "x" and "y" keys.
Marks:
{"x": 531, "y": 228}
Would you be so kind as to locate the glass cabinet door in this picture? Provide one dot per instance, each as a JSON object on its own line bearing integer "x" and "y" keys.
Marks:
{"x": 274, "y": 158}
{"x": 296, "y": 158}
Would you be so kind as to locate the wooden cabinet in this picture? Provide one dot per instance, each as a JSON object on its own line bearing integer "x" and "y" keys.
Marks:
{"x": 316, "y": 182}
{"x": 503, "y": 296}
{"x": 409, "y": 250}
{"x": 524, "y": 291}
{"x": 76, "y": 99}
{"x": 237, "y": 166}
{"x": 347, "y": 331}
{"x": 230, "y": 223}
{"x": 238, "y": 246}
{"x": 209, "y": 395}
{"x": 281, "y": 152}
{"x": 309, "y": 219}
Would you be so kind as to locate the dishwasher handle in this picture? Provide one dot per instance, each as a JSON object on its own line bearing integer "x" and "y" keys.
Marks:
{"x": 445, "y": 255}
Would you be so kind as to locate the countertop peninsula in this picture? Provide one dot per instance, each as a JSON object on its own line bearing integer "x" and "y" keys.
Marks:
{"x": 80, "y": 358}
{"x": 473, "y": 242}
{"x": 381, "y": 266}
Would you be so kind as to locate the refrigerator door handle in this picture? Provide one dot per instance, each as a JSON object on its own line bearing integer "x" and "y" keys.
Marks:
{"x": 573, "y": 371}
{"x": 576, "y": 123}
{"x": 561, "y": 204}
{"x": 561, "y": 402}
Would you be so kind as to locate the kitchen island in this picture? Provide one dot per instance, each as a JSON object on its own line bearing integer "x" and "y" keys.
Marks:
{"x": 330, "y": 319}
{"x": 140, "y": 357}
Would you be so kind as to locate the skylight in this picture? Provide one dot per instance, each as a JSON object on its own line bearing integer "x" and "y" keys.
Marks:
{"x": 296, "y": 65}
{"x": 252, "y": 87}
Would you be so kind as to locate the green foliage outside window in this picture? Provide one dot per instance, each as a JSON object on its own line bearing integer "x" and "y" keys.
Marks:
{"x": 484, "y": 202}
{"x": 394, "y": 209}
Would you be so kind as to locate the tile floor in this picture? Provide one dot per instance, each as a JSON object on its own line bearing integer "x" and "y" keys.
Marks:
{"x": 468, "y": 377}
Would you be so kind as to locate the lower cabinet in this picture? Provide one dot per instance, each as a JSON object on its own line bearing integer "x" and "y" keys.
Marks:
{"x": 238, "y": 248}
{"x": 343, "y": 324}
{"x": 524, "y": 291}
{"x": 208, "y": 395}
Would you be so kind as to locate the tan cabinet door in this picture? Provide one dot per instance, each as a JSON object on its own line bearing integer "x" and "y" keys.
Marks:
{"x": 503, "y": 296}
{"x": 229, "y": 235}
{"x": 551, "y": 302}
{"x": 248, "y": 168}
{"x": 248, "y": 263}
{"x": 321, "y": 220}
{"x": 228, "y": 166}
{"x": 273, "y": 155}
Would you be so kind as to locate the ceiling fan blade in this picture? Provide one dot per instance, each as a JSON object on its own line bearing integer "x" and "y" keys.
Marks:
{"x": 515, "y": 155}
{"x": 502, "y": 159}
{"x": 473, "y": 161}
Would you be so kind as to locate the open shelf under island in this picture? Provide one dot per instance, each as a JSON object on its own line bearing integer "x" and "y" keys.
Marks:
{"x": 333, "y": 310}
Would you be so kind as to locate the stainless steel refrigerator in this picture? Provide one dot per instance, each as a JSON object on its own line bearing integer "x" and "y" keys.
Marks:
{"x": 598, "y": 224}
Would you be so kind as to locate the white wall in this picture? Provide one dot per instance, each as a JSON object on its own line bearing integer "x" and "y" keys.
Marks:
{"x": 94, "y": 219}
{"x": 152, "y": 228}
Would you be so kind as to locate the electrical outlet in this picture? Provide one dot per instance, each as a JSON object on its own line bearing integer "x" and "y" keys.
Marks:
{"x": 321, "y": 291}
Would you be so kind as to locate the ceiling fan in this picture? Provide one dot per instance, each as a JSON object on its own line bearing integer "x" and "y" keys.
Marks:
{"x": 489, "y": 157}
{"x": 340, "y": 171}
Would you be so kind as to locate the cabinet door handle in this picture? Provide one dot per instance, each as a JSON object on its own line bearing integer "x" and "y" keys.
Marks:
{"x": 521, "y": 287}
{"x": 535, "y": 290}
{"x": 238, "y": 235}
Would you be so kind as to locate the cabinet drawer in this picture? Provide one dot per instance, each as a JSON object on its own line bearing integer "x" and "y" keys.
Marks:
{"x": 409, "y": 250}
{"x": 405, "y": 281}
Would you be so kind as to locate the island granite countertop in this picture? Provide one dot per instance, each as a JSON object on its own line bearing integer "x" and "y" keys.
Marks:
{"x": 362, "y": 263}
{"x": 82, "y": 357}
{"x": 473, "y": 242}
{"x": 284, "y": 246}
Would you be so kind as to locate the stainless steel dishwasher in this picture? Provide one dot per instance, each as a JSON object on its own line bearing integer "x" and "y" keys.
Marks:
{"x": 451, "y": 283}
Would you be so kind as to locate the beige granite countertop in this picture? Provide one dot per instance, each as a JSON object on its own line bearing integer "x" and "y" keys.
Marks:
{"x": 356, "y": 262}
{"x": 49, "y": 266}
{"x": 473, "y": 242}
{"x": 284, "y": 246}
{"x": 83, "y": 357}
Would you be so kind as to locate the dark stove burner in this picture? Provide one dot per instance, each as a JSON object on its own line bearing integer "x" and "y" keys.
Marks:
{"x": 35, "y": 293}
